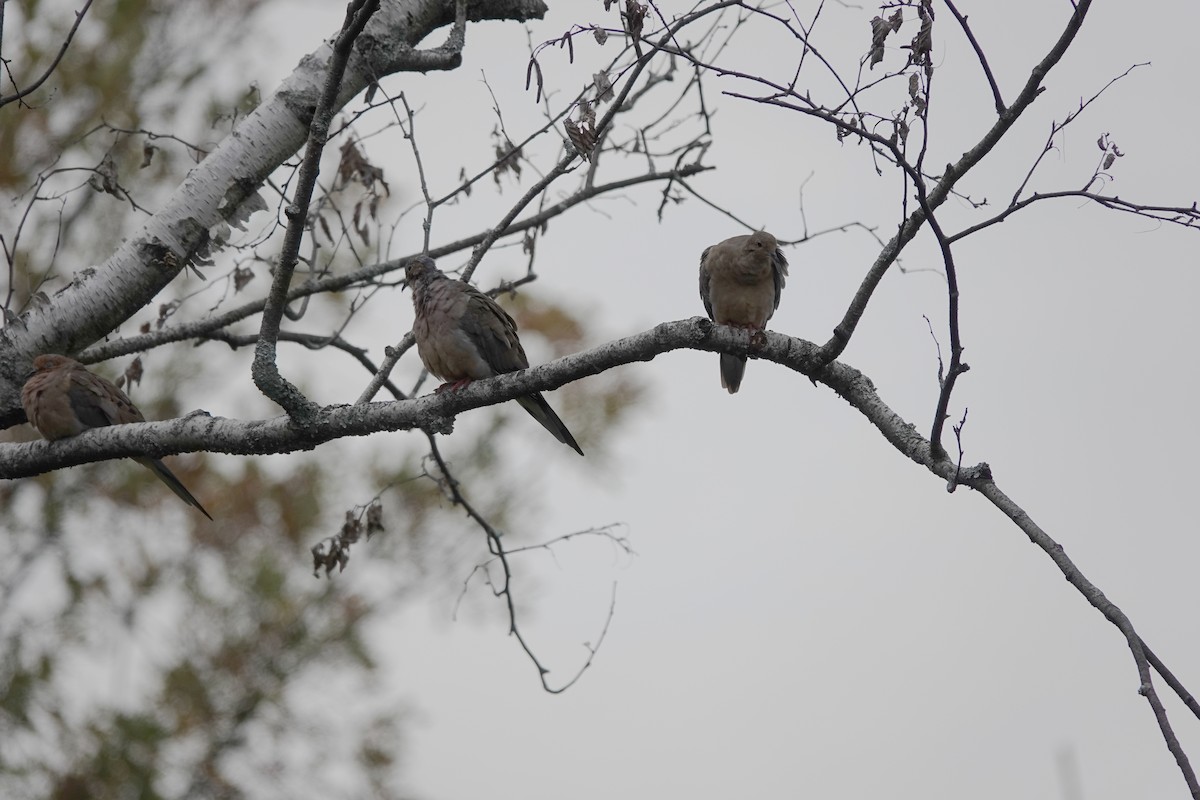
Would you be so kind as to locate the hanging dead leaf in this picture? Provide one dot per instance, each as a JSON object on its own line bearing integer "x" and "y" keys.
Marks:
{"x": 241, "y": 277}
{"x": 133, "y": 373}
{"x": 507, "y": 154}
{"x": 604, "y": 88}
{"x": 587, "y": 114}
{"x": 354, "y": 167}
{"x": 634, "y": 17}
{"x": 583, "y": 138}
{"x": 880, "y": 28}
{"x": 104, "y": 177}
{"x": 374, "y": 519}
{"x": 534, "y": 67}
{"x": 921, "y": 47}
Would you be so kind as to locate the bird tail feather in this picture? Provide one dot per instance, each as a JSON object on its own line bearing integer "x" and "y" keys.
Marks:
{"x": 166, "y": 476}
{"x": 732, "y": 370}
{"x": 540, "y": 410}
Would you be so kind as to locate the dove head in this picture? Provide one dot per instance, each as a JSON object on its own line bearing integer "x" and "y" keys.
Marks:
{"x": 49, "y": 361}
{"x": 766, "y": 244}
{"x": 761, "y": 241}
{"x": 420, "y": 270}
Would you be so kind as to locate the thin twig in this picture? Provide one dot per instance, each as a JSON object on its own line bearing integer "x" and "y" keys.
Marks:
{"x": 954, "y": 172}
{"x": 504, "y": 590}
{"x": 962, "y": 20}
{"x": 62, "y": 51}
{"x": 1184, "y": 216}
{"x": 957, "y": 366}
{"x": 336, "y": 283}
{"x": 312, "y": 342}
{"x": 1057, "y": 127}
{"x": 264, "y": 370}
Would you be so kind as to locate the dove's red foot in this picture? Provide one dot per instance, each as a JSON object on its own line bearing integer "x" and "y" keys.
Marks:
{"x": 452, "y": 386}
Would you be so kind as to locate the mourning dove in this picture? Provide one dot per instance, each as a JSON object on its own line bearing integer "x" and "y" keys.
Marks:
{"x": 740, "y": 283}
{"x": 463, "y": 335}
{"x": 62, "y": 399}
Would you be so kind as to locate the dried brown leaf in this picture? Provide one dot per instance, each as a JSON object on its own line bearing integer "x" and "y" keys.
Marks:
{"x": 133, "y": 373}
{"x": 104, "y": 177}
{"x": 604, "y": 87}
{"x": 374, "y": 519}
{"x": 507, "y": 154}
{"x": 165, "y": 312}
{"x": 922, "y": 43}
{"x": 634, "y": 16}
{"x": 241, "y": 277}
{"x": 583, "y": 138}
{"x": 880, "y": 28}
{"x": 587, "y": 114}
{"x": 355, "y": 167}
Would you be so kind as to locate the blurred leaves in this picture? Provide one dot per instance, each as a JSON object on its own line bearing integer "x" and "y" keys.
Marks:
{"x": 93, "y": 122}
{"x": 143, "y": 650}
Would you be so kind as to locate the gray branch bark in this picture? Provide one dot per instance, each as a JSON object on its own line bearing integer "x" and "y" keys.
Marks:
{"x": 201, "y": 432}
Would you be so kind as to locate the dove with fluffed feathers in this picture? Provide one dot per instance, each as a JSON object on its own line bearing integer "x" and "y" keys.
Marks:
{"x": 463, "y": 335}
{"x": 63, "y": 399}
{"x": 741, "y": 280}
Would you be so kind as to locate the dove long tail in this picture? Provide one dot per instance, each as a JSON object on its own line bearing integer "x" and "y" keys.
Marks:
{"x": 732, "y": 370}
{"x": 540, "y": 410}
{"x": 166, "y": 476}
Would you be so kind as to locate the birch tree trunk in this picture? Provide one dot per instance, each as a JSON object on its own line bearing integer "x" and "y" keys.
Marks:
{"x": 221, "y": 190}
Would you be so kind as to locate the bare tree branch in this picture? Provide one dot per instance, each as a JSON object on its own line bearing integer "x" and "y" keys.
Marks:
{"x": 434, "y": 413}
{"x": 62, "y": 51}
{"x": 1057, "y": 127}
{"x": 1185, "y": 216}
{"x": 1092, "y": 593}
{"x": 1033, "y": 87}
{"x": 987, "y": 71}
{"x": 337, "y": 283}
{"x": 504, "y": 588}
{"x": 265, "y": 371}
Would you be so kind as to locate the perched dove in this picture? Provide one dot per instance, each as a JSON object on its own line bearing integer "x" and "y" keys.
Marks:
{"x": 62, "y": 399}
{"x": 740, "y": 283}
{"x": 463, "y": 335}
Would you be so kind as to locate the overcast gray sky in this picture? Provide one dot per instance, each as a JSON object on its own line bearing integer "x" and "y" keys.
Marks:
{"x": 809, "y": 613}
